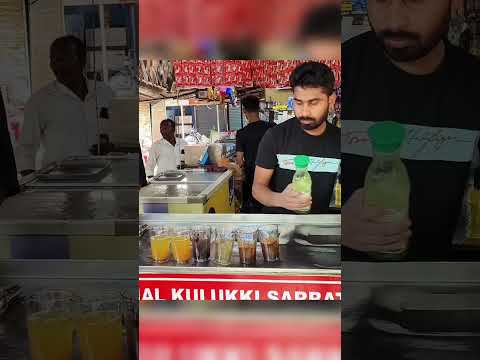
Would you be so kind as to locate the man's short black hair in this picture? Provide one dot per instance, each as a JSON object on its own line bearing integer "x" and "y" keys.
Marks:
{"x": 63, "y": 44}
{"x": 168, "y": 121}
{"x": 313, "y": 74}
{"x": 251, "y": 103}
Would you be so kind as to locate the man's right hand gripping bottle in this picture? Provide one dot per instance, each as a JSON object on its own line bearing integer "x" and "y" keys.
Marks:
{"x": 302, "y": 182}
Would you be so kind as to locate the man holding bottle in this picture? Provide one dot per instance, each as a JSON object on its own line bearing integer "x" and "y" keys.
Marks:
{"x": 308, "y": 134}
{"x": 406, "y": 70}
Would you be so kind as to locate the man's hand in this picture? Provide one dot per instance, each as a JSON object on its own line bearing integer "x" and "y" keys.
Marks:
{"x": 288, "y": 199}
{"x": 365, "y": 229}
{"x": 291, "y": 200}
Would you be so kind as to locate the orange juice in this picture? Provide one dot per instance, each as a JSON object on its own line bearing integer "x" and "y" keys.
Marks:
{"x": 50, "y": 336}
{"x": 160, "y": 245}
{"x": 182, "y": 249}
{"x": 101, "y": 336}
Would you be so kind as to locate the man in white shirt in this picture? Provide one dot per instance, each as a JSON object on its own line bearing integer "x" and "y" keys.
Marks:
{"x": 63, "y": 118}
{"x": 165, "y": 154}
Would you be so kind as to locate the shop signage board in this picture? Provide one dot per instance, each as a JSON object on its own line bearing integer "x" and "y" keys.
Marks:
{"x": 271, "y": 338}
{"x": 239, "y": 287}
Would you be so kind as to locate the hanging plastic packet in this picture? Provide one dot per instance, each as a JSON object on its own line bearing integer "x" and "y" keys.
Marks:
{"x": 336, "y": 199}
{"x": 468, "y": 226}
{"x": 473, "y": 207}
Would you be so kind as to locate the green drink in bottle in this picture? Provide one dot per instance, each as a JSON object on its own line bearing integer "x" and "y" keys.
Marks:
{"x": 302, "y": 182}
{"x": 387, "y": 185}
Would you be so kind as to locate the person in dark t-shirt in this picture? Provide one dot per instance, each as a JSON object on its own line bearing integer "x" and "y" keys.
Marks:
{"x": 247, "y": 142}
{"x": 8, "y": 179}
{"x": 406, "y": 71}
{"x": 308, "y": 133}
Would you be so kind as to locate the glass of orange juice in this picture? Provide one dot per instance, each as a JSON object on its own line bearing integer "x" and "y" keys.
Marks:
{"x": 160, "y": 244}
{"x": 182, "y": 246}
{"x": 50, "y": 325}
{"x": 100, "y": 328}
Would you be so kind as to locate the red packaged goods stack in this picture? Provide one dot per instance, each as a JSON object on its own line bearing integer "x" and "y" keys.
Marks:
{"x": 265, "y": 73}
{"x": 335, "y": 65}
{"x": 192, "y": 73}
{"x": 231, "y": 73}
{"x": 258, "y": 72}
{"x": 271, "y": 68}
{"x": 245, "y": 71}
{"x": 218, "y": 72}
{"x": 284, "y": 69}
{"x": 241, "y": 73}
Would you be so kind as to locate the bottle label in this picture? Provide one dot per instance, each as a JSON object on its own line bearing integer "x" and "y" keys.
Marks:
{"x": 421, "y": 143}
{"x": 316, "y": 164}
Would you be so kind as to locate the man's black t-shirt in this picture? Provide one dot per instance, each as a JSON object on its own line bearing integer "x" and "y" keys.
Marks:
{"x": 8, "y": 179}
{"x": 441, "y": 114}
{"x": 282, "y": 143}
{"x": 247, "y": 141}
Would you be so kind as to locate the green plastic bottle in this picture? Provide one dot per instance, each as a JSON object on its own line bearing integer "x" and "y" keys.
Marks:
{"x": 302, "y": 182}
{"x": 387, "y": 185}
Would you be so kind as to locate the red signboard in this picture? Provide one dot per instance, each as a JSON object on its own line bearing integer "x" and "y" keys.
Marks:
{"x": 240, "y": 338}
{"x": 221, "y": 287}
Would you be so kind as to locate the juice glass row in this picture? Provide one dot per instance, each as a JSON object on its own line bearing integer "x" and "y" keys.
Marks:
{"x": 202, "y": 242}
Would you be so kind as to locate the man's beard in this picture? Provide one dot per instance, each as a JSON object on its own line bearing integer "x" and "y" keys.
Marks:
{"x": 314, "y": 124}
{"x": 417, "y": 47}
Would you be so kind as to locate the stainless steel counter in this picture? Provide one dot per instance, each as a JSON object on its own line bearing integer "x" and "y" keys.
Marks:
{"x": 107, "y": 206}
{"x": 195, "y": 187}
{"x": 294, "y": 260}
{"x": 332, "y": 222}
{"x": 194, "y": 176}
{"x": 123, "y": 172}
{"x": 440, "y": 293}
{"x": 69, "y": 211}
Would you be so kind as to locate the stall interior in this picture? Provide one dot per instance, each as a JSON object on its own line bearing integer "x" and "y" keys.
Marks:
{"x": 203, "y": 99}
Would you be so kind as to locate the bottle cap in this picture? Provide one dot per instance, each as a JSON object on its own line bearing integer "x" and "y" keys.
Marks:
{"x": 386, "y": 136}
{"x": 302, "y": 161}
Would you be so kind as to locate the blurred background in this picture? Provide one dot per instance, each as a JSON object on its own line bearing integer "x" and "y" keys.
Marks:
{"x": 244, "y": 330}
{"x": 270, "y": 29}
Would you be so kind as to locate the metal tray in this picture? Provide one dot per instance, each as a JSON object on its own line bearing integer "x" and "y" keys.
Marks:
{"x": 75, "y": 170}
{"x": 168, "y": 176}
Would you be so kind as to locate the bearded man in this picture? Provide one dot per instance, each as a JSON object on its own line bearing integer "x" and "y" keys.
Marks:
{"x": 405, "y": 70}
{"x": 308, "y": 133}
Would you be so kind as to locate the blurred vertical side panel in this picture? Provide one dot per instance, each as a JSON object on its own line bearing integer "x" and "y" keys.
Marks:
{"x": 71, "y": 226}
{"x": 410, "y": 281}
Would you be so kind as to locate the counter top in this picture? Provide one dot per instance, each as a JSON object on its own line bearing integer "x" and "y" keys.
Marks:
{"x": 330, "y": 222}
{"x": 123, "y": 172}
{"x": 69, "y": 211}
{"x": 295, "y": 258}
{"x": 195, "y": 187}
{"x": 193, "y": 176}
